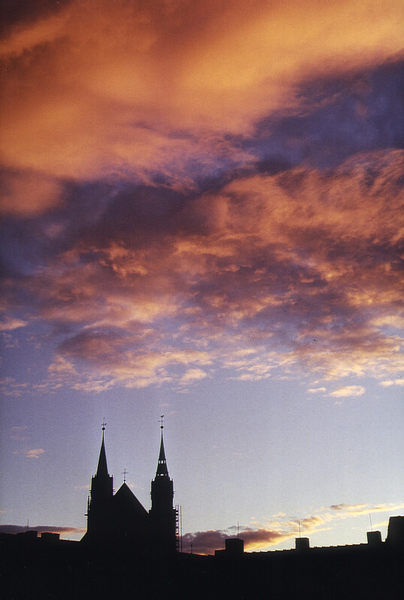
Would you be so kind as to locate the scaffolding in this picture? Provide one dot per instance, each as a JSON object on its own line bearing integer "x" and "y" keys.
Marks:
{"x": 178, "y": 527}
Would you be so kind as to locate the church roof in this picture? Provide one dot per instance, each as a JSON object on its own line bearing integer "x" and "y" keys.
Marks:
{"x": 127, "y": 500}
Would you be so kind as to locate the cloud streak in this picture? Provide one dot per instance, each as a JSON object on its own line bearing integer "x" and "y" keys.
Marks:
{"x": 348, "y": 391}
{"x": 64, "y": 531}
{"x": 281, "y": 529}
{"x": 283, "y": 266}
{"x": 34, "y": 452}
{"x": 82, "y": 104}
{"x": 193, "y": 194}
{"x": 31, "y": 453}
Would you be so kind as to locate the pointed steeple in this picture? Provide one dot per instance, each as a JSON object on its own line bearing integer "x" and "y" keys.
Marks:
{"x": 98, "y": 517}
{"x": 162, "y": 470}
{"x": 162, "y": 512}
{"x": 102, "y": 468}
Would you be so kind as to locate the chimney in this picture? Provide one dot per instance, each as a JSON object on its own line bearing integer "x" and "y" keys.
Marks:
{"x": 302, "y": 544}
{"x": 374, "y": 538}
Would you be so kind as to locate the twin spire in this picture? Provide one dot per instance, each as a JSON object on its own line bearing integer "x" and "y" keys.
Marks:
{"x": 120, "y": 516}
{"x": 162, "y": 470}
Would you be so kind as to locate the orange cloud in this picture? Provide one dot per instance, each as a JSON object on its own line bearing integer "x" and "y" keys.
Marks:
{"x": 9, "y": 324}
{"x": 29, "y": 193}
{"x": 34, "y": 452}
{"x": 64, "y": 531}
{"x": 390, "y": 382}
{"x": 276, "y": 531}
{"x": 100, "y": 89}
{"x": 261, "y": 275}
{"x": 206, "y": 542}
{"x": 347, "y": 510}
{"x": 348, "y": 391}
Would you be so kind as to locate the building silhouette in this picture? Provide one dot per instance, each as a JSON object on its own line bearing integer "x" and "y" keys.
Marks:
{"x": 130, "y": 552}
{"x": 121, "y": 519}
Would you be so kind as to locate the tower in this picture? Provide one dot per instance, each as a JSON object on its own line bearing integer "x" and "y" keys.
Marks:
{"x": 120, "y": 520}
{"x": 99, "y": 506}
{"x": 162, "y": 512}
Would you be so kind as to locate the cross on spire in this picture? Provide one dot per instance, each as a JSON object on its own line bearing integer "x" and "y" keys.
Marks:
{"x": 161, "y": 420}
{"x": 103, "y": 424}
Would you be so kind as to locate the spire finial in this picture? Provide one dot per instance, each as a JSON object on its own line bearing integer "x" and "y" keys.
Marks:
{"x": 125, "y": 472}
{"x": 161, "y": 422}
{"x": 103, "y": 427}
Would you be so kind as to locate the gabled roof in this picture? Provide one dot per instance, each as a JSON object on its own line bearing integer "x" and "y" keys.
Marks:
{"x": 127, "y": 501}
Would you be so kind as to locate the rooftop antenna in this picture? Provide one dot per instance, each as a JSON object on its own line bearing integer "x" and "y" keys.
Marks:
{"x": 370, "y": 519}
{"x": 299, "y": 527}
{"x": 238, "y": 529}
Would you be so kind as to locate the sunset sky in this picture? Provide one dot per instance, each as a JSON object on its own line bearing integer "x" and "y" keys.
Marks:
{"x": 203, "y": 217}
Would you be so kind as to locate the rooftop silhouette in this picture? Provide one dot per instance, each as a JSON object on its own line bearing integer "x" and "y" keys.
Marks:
{"x": 130, "y": 550}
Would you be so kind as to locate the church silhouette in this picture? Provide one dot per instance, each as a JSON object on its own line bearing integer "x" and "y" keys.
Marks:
{"x": 128, "y": 551}
{"x": 121, "y": 519}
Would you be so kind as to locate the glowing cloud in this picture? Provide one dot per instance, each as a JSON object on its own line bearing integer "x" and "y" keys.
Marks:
{"x": 64, "y": 531}
{"x": 8, "y": 324}
{"x": 265, "y": 273}
{"x": 29, "y": 194}
{"x": 391, "y": 382}
{"x": 362, "y": 509}
{"x": 181, "y": 189}
{"x": 348, "y": 391}
{"x": 34, "y": 452}
{"x": 79, "y": 103}
{"x": 276, "y": 531}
